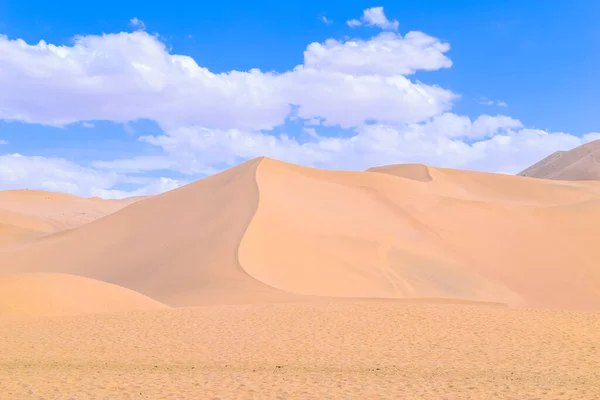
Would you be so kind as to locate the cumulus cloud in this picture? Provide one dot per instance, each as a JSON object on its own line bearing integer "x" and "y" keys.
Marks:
{"x": 387, "y": 54}
{"x": 126, "y": 76}
{"x": 154, "y": 186}
{"x": 489, "y": 143}
{"x": 56, "y": 174}
{"x": 19, "y": 171}
{"x": 374, "y": 17}
{"x": 136, "y": 164}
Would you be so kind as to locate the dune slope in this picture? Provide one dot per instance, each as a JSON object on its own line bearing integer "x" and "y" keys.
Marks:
{"x": 468, "y": 235}
{"x": 43, "y": 294}
{"x": 268, "y": 230}
{"x": 179, "y": 248}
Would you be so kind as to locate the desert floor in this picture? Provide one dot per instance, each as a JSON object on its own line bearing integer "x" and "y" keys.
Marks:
{"x": 364, "y": 349}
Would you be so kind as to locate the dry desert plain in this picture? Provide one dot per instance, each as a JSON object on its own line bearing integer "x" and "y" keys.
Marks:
{"x": 271, "y": 280}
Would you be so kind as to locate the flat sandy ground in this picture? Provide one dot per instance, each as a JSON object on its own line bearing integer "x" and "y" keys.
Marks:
{"x": 367, "y": 349}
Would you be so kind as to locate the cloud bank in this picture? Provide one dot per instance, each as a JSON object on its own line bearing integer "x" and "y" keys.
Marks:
{"x": 360, "y": 89}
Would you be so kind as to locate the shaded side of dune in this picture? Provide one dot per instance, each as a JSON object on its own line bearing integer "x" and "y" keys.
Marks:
{"x": 179, "y": 248}
{"x": 417, "y": 172}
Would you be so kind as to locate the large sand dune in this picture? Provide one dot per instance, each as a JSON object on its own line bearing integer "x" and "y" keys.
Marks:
{"x": 179, "y": 248}
{"x": 42, "y": 294}
{"x": 579, "y": 164}
{"x": 268, "y": 230}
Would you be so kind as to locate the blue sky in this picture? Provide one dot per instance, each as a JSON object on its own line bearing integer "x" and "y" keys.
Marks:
{"x": 492, "y": 86}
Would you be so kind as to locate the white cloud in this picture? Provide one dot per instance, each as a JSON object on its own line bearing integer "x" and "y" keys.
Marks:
{"x": 3, "y": 142}
{"x": 351, "y": 100}
{"x": 387, "y": 54}
{"x": 159, "y": 185}
{"x": 326, "y": 20}
{"x": 137, "y": 23}
{"x": 489, "y": 143}
{"x": 374, "y": 17}
{"x": 87, "y": 124}
{"x": 127, "y": 76}
{"x": 590, "y": 137}
{"x": 55, "y": 174}
{"x": 136, "y": 164}
{"x": 18, "y": 171}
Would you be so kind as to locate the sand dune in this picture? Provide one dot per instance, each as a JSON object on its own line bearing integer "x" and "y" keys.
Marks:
{"x": 42, "y": 294}
{"x": 16, "y": 228}
{"x": 417, "y": 172}
{"x": 579, "y": 164}
{"x": 26, "y": 215}
{"x": 268, "y": 230}
{"x": 462, "y": 235}
{"x": 179, "y": 248}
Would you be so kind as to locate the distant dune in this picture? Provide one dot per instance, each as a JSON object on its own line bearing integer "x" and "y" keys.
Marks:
{"x": 26, "y": 215}
{"x": 417, "y": 172}
{"x": 270, "y": 231}
{"x": 42, "y": 294}
{"x": 579, "y": 164}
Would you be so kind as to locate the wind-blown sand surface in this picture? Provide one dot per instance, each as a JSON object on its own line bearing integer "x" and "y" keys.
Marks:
{"x": 370, "y": 349}
{"x": 398, "y": 282}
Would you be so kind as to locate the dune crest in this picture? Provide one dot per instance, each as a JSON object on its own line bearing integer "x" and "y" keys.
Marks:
{"x": 43, "y": 294}
{"x": 271, "y": 231}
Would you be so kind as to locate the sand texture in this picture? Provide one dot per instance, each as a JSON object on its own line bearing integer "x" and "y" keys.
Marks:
{"x": 579, "y": 164}
{"x": 319, "y": 350}
{"x": 271, "y": 280}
